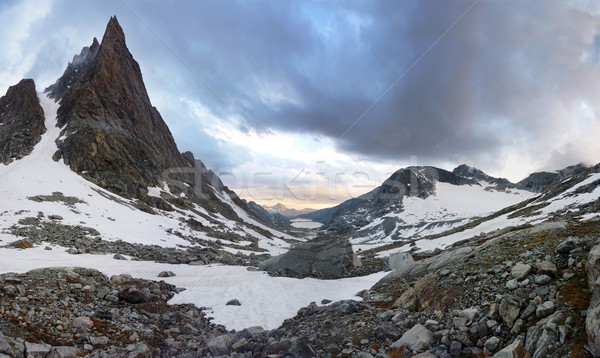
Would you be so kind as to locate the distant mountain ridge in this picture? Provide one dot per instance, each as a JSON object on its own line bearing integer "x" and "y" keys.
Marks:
{"x": 285, "y": 211}
{"x": 420, "y": 201}
{"x": 417, "y": 201}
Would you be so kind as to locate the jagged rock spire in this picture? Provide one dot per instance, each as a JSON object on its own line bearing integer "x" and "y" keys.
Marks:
{"x": 114, "y": 136}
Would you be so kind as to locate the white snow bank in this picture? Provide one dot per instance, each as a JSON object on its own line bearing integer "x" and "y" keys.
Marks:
{"x": 266, "y": 301}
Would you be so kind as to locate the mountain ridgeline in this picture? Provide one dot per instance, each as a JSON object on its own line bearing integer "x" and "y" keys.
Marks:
{"x": 416, "y": 182}
{"x": 110, "y": 131}
{"x": 419, "y": 201}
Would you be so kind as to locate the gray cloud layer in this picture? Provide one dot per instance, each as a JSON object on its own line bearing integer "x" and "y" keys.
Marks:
{"x": 510, "y": 76}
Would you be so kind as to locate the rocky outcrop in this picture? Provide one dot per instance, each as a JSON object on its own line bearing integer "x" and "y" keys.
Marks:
{"x": 84, "y": 59}
{"x": 592, "y": 321}
{"x": 538, "y": 182}
{"x": 417, "y": 182}
{"x": 21, "y": 121}
{"x": 466, "y": 171}
{"x": 112, "y": 133}
{"x": 321, "y": 257}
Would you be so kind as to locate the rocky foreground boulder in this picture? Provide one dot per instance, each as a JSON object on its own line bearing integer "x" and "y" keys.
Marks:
{"x": 321, "y": 257}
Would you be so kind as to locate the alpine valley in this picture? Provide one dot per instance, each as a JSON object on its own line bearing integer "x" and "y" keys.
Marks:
{"x": 114, "y": 243}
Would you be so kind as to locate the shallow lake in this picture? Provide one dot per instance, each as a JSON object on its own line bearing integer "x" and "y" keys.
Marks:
{"x": 305, "y": 224}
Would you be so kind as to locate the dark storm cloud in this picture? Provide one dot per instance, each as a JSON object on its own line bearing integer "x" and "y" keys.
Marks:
{"x": 492, "y": 81}
{"x": 501, "y": 78}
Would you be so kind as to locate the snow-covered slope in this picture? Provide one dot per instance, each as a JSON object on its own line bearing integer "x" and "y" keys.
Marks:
{"x": 449, "y": 207}
{"x": 416, "y": 202}
{"x": 577, "y": 197}
{"x": 81, "y": 202}
{"x": 266, "y": 301}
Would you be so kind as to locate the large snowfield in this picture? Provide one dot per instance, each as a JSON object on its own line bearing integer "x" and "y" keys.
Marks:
{"x": 266, "y": 301}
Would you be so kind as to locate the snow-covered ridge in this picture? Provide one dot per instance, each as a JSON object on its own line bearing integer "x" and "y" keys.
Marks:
{"x": 451, "y": 206}
{"x": 570, "y": 201}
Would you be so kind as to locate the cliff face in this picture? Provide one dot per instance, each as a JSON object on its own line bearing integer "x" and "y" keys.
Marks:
{"x": 112, "y": 135}
{"x": 21, "y": 121}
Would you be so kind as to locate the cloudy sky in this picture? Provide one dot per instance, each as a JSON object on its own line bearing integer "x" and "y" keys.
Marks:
{"x": 312, "y": 102}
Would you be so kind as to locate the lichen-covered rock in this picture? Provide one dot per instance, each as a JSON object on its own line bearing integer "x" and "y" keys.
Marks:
{"x": 509, "y": 310}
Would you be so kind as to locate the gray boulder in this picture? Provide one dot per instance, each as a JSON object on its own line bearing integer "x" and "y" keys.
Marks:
{"x": 37, "y": 350}
{"x": 233, "y": 302}
{"x": 515, "y": 350}
{"x": 220, "y": 345}
{"x": 322, "y": 257}
{"x": 5, "y": 347}
{"x": 541, "y": 341}
{"x": 399, "y": 259}
{"x": 167, "y": 274}
{"x": 542, "y": 279}
{"x": 491, "y": 345}
{"x": 520, "y": 271}
{"x": 565, "y": 247}
{"x": 429, "y": 264}
{"x": 545, "y": 309}
{"x": 416, "y": 339}
{"x": 509, "y": 309}
{"x": 64, "y": 352}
